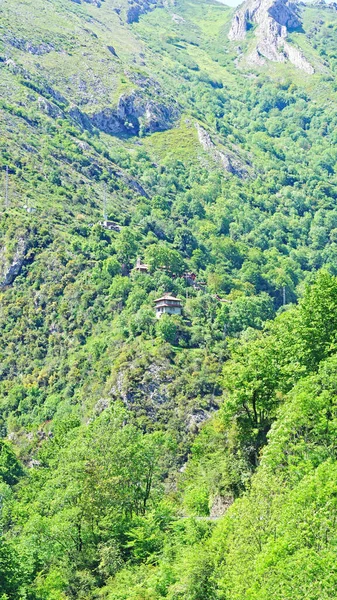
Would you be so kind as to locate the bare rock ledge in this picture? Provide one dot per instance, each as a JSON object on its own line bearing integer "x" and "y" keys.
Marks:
{"x": 274, "y": 19}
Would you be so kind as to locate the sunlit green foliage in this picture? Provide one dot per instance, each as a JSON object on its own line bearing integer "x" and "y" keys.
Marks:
{"x": 126, "y": 439}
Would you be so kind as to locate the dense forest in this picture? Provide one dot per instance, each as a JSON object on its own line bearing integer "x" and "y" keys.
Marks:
{"x": 191, "y": 456}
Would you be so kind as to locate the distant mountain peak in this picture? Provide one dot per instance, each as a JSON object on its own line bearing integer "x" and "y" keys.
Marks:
{"x": 274, "y": 19}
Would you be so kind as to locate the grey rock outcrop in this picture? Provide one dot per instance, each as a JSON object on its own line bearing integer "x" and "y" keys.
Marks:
{"x": 133, "y": 184}
{"x": 34, "y": 464}
{"x": 79, "y": 117}
{"x": 48, "y": 108}
{"x": 55, "y": 94}
{"x": 144, "y": 391}
{"x": 145, "y": 110}
{"x": 239, "y": 26}
{"x": 28, "y": 46}
{"x": 97, "y": 3}
{"x": 220, "y": 505}
{"x": 324, "y": 4}
{"x": 9, "y": 270}
{"x": 136, "y": 112}
{"x": 273, "y": 20}
{"x": 139, "y": 7}
{"x": 226, "y": 159}
{"x": 178, "y": 19}
{"x": 197, "y": 418}
{"x": 106, "y": 120}
{"x": 152, "y": 115}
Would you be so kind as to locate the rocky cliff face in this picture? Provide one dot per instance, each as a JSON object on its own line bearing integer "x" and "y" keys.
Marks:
{"x": 9, "y": 270}
{"x": 50, "y": 109}
{"x": 273, "y": 20}
{"x": 228, "y": 161}
{"x": 135, "y": 112}
{"x": 139, "y": 7}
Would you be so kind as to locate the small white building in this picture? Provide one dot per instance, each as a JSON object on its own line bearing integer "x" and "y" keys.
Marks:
{"x": 111, "y": 225}
{"x": 168, "y": 304}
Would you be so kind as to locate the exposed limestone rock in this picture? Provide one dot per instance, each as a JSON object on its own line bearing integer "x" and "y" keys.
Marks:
{"x": 178, "y": 19}
{"x": 274, "y": 19}
{"x": 48, "y": 108}
{"x": 145, "y": 83}
{"x": 107, "y": 120}
{"x": 226, "y": 159}
{"x": 133, "y": 184}
{"x": 55, "y": 94}
{"x": 97, "y": 3}
{"x": 9, "y": 270}
{"x": 34, "y": 463}
{"x": 145, "y": 110}
{"x": 324, "y": 4}
{"x": 139, "y": 7}
{"x": 80, "y": 118}
{"x": 45, "y": 90}
{"x": 12, "y": 66}
{"x": 257, "y": 11}
{"x": 27, "y": 46}
{"x": 220, "y": 505}
{"x": 239, "y": 26}
{"x": 297, "y": 58}
{"x": 102, "y": 405}
{"x": 135, "y": 112}
{"x": 144, "y": 391}
{"x": 43, "y": 435}
{"x": 84, "y": 146}
{"x": 198, "y": 418}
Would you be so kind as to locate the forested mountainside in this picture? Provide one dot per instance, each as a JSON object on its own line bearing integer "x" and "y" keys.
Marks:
{"x": 150, "y": 148}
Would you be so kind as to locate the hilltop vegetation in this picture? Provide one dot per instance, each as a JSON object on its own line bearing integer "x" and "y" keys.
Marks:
{"x": 123, "y": 436}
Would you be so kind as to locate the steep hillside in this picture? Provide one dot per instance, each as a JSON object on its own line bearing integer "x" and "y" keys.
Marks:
{"x": 213, "y": 152}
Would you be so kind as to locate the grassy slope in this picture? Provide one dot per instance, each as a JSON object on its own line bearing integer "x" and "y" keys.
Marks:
{"x": 85, "y": 73}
